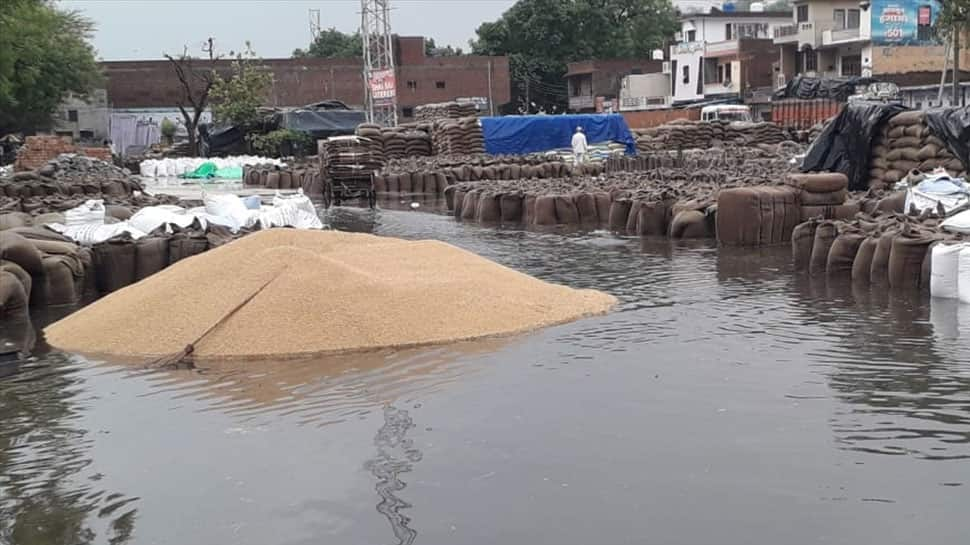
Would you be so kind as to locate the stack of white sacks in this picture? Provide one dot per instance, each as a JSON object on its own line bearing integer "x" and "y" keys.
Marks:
{"x": 177, "y": 166}
{"x": 950, "y": 277}
{"x": 86, "y": 223}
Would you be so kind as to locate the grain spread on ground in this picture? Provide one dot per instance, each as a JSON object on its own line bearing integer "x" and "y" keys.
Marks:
{"x": 319, "y": 293}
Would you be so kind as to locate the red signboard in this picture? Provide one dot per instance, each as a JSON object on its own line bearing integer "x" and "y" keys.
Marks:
{"x": 923, "y": 18}
{"x": 382, "y": 86}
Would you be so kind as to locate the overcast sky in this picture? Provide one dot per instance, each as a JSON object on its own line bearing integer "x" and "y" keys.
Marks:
{"x": 144, "y": 29}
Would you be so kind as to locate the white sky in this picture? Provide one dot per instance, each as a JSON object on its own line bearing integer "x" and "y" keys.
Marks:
{"x": 144, "y": 29}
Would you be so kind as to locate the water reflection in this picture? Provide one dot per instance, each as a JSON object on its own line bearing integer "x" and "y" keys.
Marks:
{"x": 396, "y": 454}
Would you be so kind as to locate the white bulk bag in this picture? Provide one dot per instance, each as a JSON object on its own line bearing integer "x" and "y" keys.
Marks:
{"x": 152, "y": 217}
{"x": 91, "y": 211}
{"x": 298, "y": 201}
{"x": 945, "y": 266}
{"x": 957, "y": 223}
{"x": 963, "y": 280}
{"x": 231, "y": 207}
{"x": 93, "y": 234}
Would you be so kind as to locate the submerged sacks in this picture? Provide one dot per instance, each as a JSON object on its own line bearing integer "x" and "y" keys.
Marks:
{"x": 151, "y": 256}
{"x": 843, "y": 251}
{"x": 619, "y": 212}
{"x": 114, "y": 264}
{"x": 529, "y": 209}
{"x": 862, "y": 263}
{"x": 739, "y": 217}
{"x": 23, "y": 276}
{"x": 545, "y": 210}
{"x": 603, "y": 204}
{"x": 802, "y": 241}
{"x": 689, "y": 224}
{"x": 13, "y": 296}
{"x": 510, "y": 207}
{"x": 945, "y": 271}
{"x": 825, "y": 235}
{"x": 457, "y": 201}
{"x": 586, "y": 207}
{"x": 566, "y": 211}
{"x": 21, "y": 251}
{"x": 879, "y": 269}
{"x": 61, "y": 283}
{"x": 633, "y": 218}
{"x": 906, "y": 260}
{"x": 488, "y": 208}
{"x": 652, "y": 219}
{"x": 469, "y": 205}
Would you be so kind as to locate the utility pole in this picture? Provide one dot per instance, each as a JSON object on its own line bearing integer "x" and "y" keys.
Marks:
{"x": 955, "y": 100}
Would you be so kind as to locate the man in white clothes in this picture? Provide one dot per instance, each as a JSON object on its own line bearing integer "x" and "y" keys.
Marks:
{"x": 579, "y": 146}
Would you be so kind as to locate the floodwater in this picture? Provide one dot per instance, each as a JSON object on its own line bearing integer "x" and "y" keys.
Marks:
{"x": 725, "y": 401}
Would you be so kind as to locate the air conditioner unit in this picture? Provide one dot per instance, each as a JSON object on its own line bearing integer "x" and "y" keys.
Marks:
{"x": 665, "y": 68}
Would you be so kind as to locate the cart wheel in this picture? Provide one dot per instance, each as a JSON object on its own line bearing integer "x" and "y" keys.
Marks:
{"x": 327, "y": 195}
{"x": 372, "y": 199}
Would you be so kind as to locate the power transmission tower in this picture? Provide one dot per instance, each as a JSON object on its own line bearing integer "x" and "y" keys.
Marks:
{"x": 314, "y": 17}
{"x": 379, "y": 74}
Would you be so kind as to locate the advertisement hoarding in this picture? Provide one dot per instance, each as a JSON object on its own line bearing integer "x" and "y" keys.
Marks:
{"x": 903, "y": 22}
{"x": 382, "y": 86}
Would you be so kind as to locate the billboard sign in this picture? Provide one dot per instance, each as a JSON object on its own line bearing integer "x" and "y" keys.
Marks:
{"x": 903, "y": 22}
{"x": 382, "y": 86}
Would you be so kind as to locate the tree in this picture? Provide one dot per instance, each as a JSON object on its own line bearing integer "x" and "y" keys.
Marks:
{"x": 432, "y": 50}
{"x": 196, "y": 77}
{"x": 238, "y": 98}
{"x": 332, "y": 43}
{"x": 44, "y": 54}
{"x": 952, "y": 22}
{"x": 541, "y": 36}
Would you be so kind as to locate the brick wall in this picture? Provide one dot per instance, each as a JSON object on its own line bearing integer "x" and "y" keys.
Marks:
{"x": 152, "y": 84}
{"x": 894, "y": 60}
{"x": 653, "y": 118}
{"x": 37, "y": 150}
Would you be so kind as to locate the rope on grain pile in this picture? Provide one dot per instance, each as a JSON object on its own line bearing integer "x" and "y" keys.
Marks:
{"x": 183, "y": 358}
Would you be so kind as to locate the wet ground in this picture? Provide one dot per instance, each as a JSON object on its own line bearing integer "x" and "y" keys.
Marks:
{"x": 726, "y": 401}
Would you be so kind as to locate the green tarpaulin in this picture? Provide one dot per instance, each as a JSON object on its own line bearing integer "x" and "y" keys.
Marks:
{"x": 209, "y": 170}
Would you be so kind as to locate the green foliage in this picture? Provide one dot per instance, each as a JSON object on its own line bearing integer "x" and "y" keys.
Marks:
{"x": 432, "y": 50}
{"x": 44, "y": 54}
{"x": 281, "y": 142}
{"x": 541, "y": 36}
{"x": 954, "y": 14}
{"x": 332, "y": 43}
{"x": 168, "y": 129}
{"x": 238, "y": 99}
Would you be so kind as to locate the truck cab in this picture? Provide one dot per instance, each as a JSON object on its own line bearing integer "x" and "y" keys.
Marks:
{"x": 726, "y": 112}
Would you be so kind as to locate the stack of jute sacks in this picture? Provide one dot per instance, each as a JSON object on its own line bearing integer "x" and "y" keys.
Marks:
{"x": 374, "y": 139}
{"x": 458, "y": 136}
{"x": 823, "y": 195}
{"x": 685, "y": 134}
{"x": 307, "y": 178}
{"x": 891, "y": 249}
{"x": 905, "y": 144}
{"x": 430, "y": 112}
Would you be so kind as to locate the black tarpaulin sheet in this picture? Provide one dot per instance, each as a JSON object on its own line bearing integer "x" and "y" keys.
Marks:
{"x": 321, "y": 123}
{"x": 952, "y": 126}
{"x": 844, "y": 144}
{"x": 834, "y": 88}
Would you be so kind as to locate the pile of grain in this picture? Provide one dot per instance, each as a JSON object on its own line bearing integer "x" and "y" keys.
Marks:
{"x": 322, "y": 292}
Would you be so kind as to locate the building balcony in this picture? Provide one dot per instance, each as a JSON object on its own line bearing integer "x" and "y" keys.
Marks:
{"x": 727, "y": 87}
{"x": 628, "y": 104}
{"x": 581, "y": 102}
{"x": 721, "y": 49}
{"x": 785, "y": 34}
{"x": 844, "y": 36}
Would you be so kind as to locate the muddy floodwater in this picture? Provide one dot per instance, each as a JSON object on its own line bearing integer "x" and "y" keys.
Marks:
{"x": 726, "y": 401}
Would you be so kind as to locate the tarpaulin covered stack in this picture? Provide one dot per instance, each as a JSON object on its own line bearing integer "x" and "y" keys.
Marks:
{"x": 523, "y": 134}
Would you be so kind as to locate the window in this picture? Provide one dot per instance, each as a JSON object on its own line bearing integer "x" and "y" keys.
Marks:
{"x": 87, "y": 135}
{"x": 839, "y": 18}
{"x": 412, "y": 85}
{"x": 852, "y": 65}
{"x": 691, "y": 35}
{"x": 811, "y": 60}
{"x": 727, "y": 31}
{"x": 852, "y": 18}
{"x": 687, "y": 74}
{"x": 802, "y": 14}
{"x": 439, "y": 84}
{"x": 727, "y": 72}
{"x": 72, "y": 115}
{"x": 407, "y": 112}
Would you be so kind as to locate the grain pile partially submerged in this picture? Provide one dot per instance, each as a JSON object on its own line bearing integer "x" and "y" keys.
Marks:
{"x": 318, "y": 293}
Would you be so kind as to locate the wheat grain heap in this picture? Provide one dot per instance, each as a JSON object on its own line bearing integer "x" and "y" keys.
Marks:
{"x": 318, "y": 293}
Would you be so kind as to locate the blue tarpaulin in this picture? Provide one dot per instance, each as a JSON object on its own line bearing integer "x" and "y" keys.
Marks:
{"x": 521, "y": 134}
